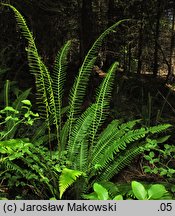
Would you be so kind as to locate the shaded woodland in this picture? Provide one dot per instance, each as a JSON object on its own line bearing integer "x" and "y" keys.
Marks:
{"x": 141, "y": 50}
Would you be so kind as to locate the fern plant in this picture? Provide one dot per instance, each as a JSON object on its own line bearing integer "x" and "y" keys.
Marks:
{"x": 93, "y": 153}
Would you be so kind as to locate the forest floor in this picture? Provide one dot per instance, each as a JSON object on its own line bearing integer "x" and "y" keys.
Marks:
{"x": 153, "y": 101}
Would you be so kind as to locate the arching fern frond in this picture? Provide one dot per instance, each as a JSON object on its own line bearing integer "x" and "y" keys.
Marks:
{"x": 117, "y": 165}
{"x": 49, "y": 91}
{"x": 67, "y": 178}
{"x": 159, "y": 128}
{"x": 119, "y": 145}
{"x": 113, "y": 132}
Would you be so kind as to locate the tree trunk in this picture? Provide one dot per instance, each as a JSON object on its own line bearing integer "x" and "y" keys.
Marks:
{"x": 86, "y": 27}
{"x": 140, "y": 49}
{"x": 156, "y": 46}
{"x": 171, "y": 71}
{"x": 129, "y": 58}
{"x": 111, "y": 12}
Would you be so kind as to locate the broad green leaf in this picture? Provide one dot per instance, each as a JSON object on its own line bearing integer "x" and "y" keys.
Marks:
{"x": 139, "y": 190}
{"x": 172, "y": 171}
{"x": 52, "y": 198}
{"x": 26, "y": 102}
{"x": 91, "y": 196}
{"x": 163, "y": 172}
{"x": 147, "y": 157}
{"x": 147, "y": 169}
{"x": 118, "y": 197}
{"x": 101, "y": 192}
{"x": 156, "y": 191}
{"x": 11, "y": 109}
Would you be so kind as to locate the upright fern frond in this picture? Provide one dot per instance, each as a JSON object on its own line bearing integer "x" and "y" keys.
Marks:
{"x": 81, "y": 161}
{"x": 59, "y": 76}
{"x": 80, "y": 85}
{"x": 78, "y": 92}
{"x": 49, "y": 91}
{"x": 103, "y": 100}
{"x": 35, "y": 63}
{"x": 80, "y": 133}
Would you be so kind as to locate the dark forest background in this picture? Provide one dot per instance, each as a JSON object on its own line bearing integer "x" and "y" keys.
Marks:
{"x": 144, "y": 46}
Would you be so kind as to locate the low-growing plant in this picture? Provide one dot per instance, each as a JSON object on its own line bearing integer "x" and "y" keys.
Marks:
{"x": 13, "y": 118}
{"x": 160, "y": 158}
{"x": 136, "y": 191}
{"x": 22, "y": 162}
{"x": 15, "y": 115}
{"x": 30, "y": 166}
{"x": 154, "y": 192}
{"x": 94, "y": 152}
{"x": 101, "y": 193}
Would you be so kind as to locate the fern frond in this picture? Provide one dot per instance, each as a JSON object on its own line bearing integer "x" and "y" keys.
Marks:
{"x": 159, "y": 128}
{"x": 108, "y": 136}
{"x": 113, "y": 132}
{"x": 67, "y": 178}
{"x": 49, "y": 92}
{"x": 81, "y": 161}
{"x": 79, "y": 132}
{"x": 78, "y": 92}
{"x": 118, "y": 145}
{"x": 37, "y": 67}
{"x": 64, "y": 135}
{"x": 59, "y": 76}
{"x": 118, "y": 164}
{"x": 103, "y": 101}
{"x": 80, "y": 85}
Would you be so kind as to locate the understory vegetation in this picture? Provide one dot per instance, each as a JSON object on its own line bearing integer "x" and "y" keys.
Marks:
{"x": 53, "y": 148}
